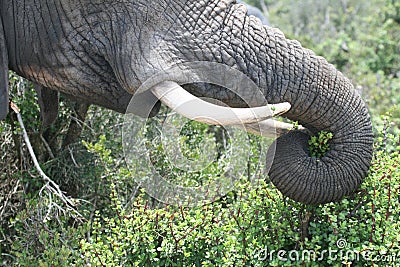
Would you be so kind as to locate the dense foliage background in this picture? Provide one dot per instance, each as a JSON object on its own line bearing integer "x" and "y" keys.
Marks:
{"x": 108, "y": 220}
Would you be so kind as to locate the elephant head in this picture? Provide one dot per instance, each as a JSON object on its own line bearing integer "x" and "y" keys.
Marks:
{"x": 101, "y": 52}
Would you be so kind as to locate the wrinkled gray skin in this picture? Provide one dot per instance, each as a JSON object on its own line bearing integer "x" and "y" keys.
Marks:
{"x": 98, "y": 51}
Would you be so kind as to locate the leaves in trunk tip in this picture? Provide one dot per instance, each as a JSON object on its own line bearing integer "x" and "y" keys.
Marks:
{"x": 319, "y": 144}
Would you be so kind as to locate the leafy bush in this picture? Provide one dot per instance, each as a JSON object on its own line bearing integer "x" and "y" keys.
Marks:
{"x": 44, "y": 237}
{"x": 318, "y": 144}
{"x": 251, "y": 226}
{"x": 250, "y": 229}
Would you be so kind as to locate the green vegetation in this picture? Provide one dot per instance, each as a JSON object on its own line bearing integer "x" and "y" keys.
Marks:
{"x": 118, "y": 224}
{"x": 239, "y": 230}
{"x": 318, "y": 144}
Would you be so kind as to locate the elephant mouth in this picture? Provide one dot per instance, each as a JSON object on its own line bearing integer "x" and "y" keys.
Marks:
{"x": 256, "y": 120}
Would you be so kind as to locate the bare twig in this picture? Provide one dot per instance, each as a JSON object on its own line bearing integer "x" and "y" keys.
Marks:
{"x": 50, "y": 185}
{"x": 51, "y": 154}
{"x": 132, "y": 197}
{"x": 8, "y": 198}
{"x": 72, "y": 157}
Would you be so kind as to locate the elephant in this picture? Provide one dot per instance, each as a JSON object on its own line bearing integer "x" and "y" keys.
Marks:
{"x": 102, "y": 51}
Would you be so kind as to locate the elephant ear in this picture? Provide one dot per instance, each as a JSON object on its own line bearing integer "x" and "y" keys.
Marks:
{"x": 48, "y": 102}
{"x": 3, "y": 74}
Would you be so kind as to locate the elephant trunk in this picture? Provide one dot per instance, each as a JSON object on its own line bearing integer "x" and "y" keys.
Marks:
{"x": 340, "y": 171}
{"x": 322, "y": 99}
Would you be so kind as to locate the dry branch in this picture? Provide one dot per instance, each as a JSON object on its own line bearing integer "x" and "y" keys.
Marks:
{"x": 50, "y": 186}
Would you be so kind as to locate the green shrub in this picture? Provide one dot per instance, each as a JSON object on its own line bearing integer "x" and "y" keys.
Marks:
{"x": 44, "y": 236}
{"x": 319, "y": 144}
{"x": 249, "y": 227}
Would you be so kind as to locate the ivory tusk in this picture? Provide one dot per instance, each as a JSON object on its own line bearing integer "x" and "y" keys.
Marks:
{"x": 270, "y": 128}
{"x": 191, "y": 107}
